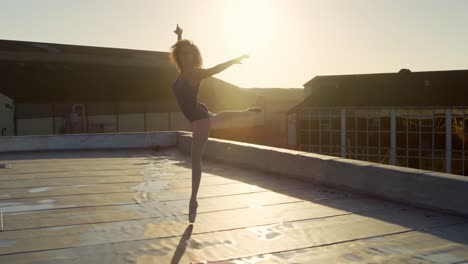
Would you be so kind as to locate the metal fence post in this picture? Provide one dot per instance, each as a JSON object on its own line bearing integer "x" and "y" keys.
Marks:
{"x": 448, "y": 141}
{"x": 343, "y": 133}
{"x": 393, "y": 136}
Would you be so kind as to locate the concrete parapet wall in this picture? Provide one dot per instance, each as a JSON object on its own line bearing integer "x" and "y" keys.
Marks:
{"x": 446, "y": 192}
{"x": 89, "y": 141}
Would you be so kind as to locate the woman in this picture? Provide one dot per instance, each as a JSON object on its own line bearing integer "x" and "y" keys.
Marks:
{"x": 188, "y": 60}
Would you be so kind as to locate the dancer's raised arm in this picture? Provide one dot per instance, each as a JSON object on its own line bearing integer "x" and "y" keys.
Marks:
{"x": 178, "y": 31}
{"x": 205, "y": 73}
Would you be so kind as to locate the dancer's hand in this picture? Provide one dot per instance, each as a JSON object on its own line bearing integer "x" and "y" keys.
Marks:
{"x": 239, "y": 59}
{"x": 178, "y": 30}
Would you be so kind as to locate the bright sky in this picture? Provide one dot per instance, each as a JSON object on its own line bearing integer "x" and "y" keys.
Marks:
{"x": 290, "y": 41}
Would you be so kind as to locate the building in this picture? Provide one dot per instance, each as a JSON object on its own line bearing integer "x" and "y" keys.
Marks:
{"x": 411, "y": 119}
{"x": 6, "y": 116}
{"x": 61, "y": 89}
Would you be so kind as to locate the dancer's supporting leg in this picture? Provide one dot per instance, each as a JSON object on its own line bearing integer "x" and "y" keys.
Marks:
{"x": 201, "y": 131}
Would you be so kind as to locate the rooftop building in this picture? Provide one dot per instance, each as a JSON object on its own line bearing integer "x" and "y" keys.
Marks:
{"x": 409, "y": 119}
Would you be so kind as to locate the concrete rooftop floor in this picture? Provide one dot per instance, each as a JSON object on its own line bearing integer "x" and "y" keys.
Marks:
{"x": 130, "y": 206}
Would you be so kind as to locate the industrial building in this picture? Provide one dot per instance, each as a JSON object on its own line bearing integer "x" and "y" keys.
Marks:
{"x": 410, "y": 119}
{"x": 63, "y": 89}
{"x": 6, "y": 116}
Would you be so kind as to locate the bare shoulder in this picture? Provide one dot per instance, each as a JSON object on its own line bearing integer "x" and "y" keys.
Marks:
{"x": 199, "y": 73}
{"x": 192, "y": 77}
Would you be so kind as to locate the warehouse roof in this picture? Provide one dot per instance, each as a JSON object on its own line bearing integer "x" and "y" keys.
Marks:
{"x": 405, "y": 88}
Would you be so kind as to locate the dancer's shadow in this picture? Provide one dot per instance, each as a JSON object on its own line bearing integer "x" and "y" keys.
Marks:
{"x": 182, "y": 244}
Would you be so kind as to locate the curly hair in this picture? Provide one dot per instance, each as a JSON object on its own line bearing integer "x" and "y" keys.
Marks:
{"x": 175, "y": 50}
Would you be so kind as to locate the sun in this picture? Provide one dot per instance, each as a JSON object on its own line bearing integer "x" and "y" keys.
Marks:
{"x": 249, "y": 24}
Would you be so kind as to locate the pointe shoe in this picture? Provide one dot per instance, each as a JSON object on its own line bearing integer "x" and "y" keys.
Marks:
{"x": 254, "y": 109}
{"x": 193, "y": 206}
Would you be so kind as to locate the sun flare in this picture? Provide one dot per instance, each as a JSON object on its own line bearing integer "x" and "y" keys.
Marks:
{"x": 250, "y": 24}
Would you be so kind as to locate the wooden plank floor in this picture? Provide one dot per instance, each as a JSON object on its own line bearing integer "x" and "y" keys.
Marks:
{"x": 130, "y": 206}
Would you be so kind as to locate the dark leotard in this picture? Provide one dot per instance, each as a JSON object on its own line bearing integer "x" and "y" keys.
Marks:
{"x": 187, "y": 99}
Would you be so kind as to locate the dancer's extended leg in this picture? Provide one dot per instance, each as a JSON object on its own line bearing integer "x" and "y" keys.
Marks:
{"x": 225, "y": 119}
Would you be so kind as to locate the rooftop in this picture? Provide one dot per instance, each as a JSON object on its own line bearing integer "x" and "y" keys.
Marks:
{"x": 402, "y": 89}
{"x": 130, "y": 206}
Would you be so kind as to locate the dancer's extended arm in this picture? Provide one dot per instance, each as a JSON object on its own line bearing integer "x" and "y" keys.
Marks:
{"x": 205, "y": 73}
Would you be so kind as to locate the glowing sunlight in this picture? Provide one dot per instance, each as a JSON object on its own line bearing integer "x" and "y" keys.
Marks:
{"x": 250, "y": 24}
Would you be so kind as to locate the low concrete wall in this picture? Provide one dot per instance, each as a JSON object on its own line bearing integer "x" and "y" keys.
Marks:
{"x": 446, "y": 192}
{"x": 89, "y": 141}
